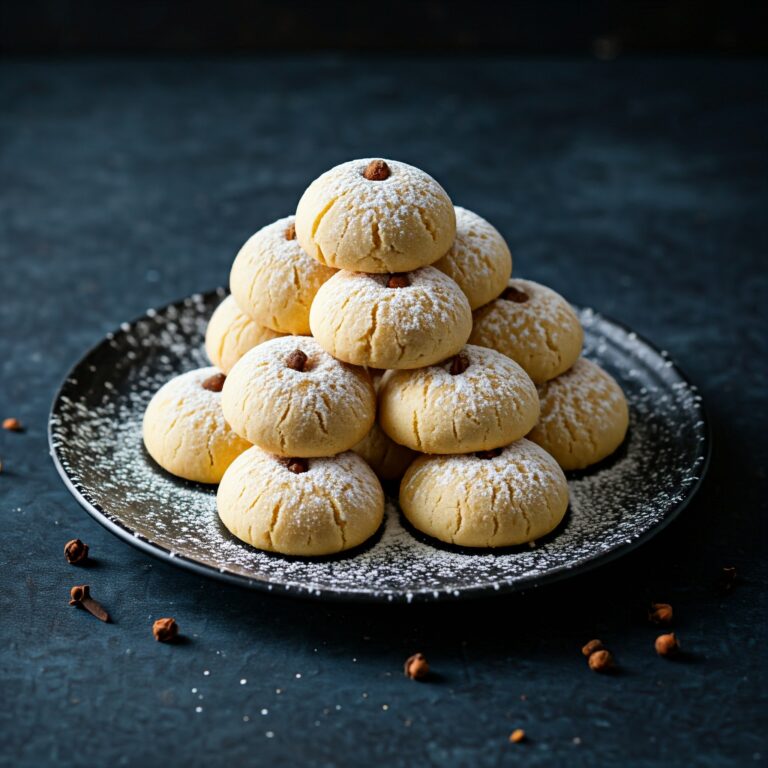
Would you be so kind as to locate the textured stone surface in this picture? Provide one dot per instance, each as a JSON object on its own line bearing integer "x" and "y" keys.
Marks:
{"x": 636, "y": 187}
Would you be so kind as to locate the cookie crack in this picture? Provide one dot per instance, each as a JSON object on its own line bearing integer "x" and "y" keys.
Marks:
{"x": 427, "y": 223}
{"x": 372, "y": 330}
{"x": 415, "y": 427}
{"x": 341, "y": 523}
{"x": 494, "y": 514}
{"x": 273, "y": 523}
{"x": 459, "y": 520}
{"x": 321, "y": 420}
{"x": 321, "y": 215}
{"x": 279, "y": 424}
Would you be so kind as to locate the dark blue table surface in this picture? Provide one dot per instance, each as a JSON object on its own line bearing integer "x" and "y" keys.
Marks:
{"x": 638, "y": 187}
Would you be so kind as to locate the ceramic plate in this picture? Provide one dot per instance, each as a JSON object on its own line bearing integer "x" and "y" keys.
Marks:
{"x": 95, "y": 437}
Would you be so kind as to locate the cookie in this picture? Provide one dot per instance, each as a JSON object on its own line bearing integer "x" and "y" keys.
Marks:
{"x": 584, "y": 416}
{"x": 534, "y": 326}
{"x": 274, "y": 281}
{"x": 300, "y": 506}
{"x": 231, "y": 333}
{"x": 505, "y": 497}
{"x": 404, "y": 320}
{"x": 375, "y": 216}
{"x": 185, "y": 431}
{"x": 291, "y": 398}
{"x": 475, "y": 401}
{"x": 479, "y": 259}
{"x": 384, "y": 456}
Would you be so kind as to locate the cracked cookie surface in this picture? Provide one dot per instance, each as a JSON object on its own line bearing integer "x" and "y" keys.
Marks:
{"x": 231, "y": 333}
{"x": 185, "y": 432}
{"x": 535, "y": 326}
{"x": 322, "y": 410}
{"x": 274, "y": 281}
{"x": 488, "y": 403}
{"x": 584, "y": 416}
{"x": 517, "y": 496}
{"x": 335, "y": 504}
{"x": 479, "y": 259}
{"x": 396, "y": 224}
{"x": 358, "y": 318}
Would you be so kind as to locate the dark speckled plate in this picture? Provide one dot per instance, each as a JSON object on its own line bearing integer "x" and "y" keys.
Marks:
{"x": 95, "y": 437}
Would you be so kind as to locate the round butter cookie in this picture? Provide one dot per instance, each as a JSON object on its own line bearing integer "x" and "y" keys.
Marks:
{"x": 375, "y": 216}
{"x": 475, "y": 401}
{"x": 584, "y": 416}
{"x": 384, "y": 456}
{"x": 185, "y": 431}
{"x": 291, "y": 398}
{"x": 231, "y": 333}
{"x": 534, "y": 326}
{"x": 300, "y": 506}
{"x": 274, "y": 281}
{"x": 495, "y": 499}
{"x": 479, "y": 259}
{"x": 402, "y": 320}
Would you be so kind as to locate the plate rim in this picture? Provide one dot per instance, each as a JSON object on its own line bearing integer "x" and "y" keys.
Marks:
{"x": 558, "y": 573}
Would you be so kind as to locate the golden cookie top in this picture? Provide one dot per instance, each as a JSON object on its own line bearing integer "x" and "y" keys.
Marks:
{"x": 533, "y": 325}
{"x": 404, "y": 320}
{"x": 374, "y": 215}
{"x": 274, "y": 281}
{"x": 479, "y": 259}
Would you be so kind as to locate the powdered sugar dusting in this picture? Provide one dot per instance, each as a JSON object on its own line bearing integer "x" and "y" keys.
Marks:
{"x": 489, "y": 404}
{"x": 274, "y": 281}
{"x": 399, "y": 222}
{"x": 96, "y": 438}
{"x": 541, "y": 333}
{"x": 583, "y": 395}
{"x": 479, "y": 259}
{"x": 522, "y": 466}
{"x": 197, "y": 400}
{"x": 490, "y": 378}
{"x": 263, "y": 392}
{"x": 431, "y": 300}
{"x": 399, "y": 197}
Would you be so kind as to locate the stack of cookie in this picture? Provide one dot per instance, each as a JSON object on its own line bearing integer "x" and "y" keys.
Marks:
{"x": 584, "y": 415}
{"x": 342, "y": 355}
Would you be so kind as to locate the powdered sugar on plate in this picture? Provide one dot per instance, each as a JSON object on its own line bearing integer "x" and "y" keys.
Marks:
{"x": 95, "y": 434}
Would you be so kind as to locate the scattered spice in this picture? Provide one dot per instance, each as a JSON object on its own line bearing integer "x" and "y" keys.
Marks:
{"x": 297, "y": 360}
{"x": 377, "y": 170}
{"x": 215, "y": 383}
{"x": 516, "y": 295}
{"x": 517, "y": 736}
{"x": 459, "y": 364}
{"x": 416, "y": 667}
{"x": 591, "y": 647}
{"x": 290, "y": 232}
{"x": 12, "y": 425}
{"x": 667, "y": 645}
{"x": 81, "y": 596}
{"x": 297, "y": 466}
{"x": 601, "y": 661}
{"x": 492, "y": 454}
{"x": 660, "y": 613}
{"x": 75, "y": 551}
{"x": 398, "y": 280}
{"x": 165, "y": 630}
